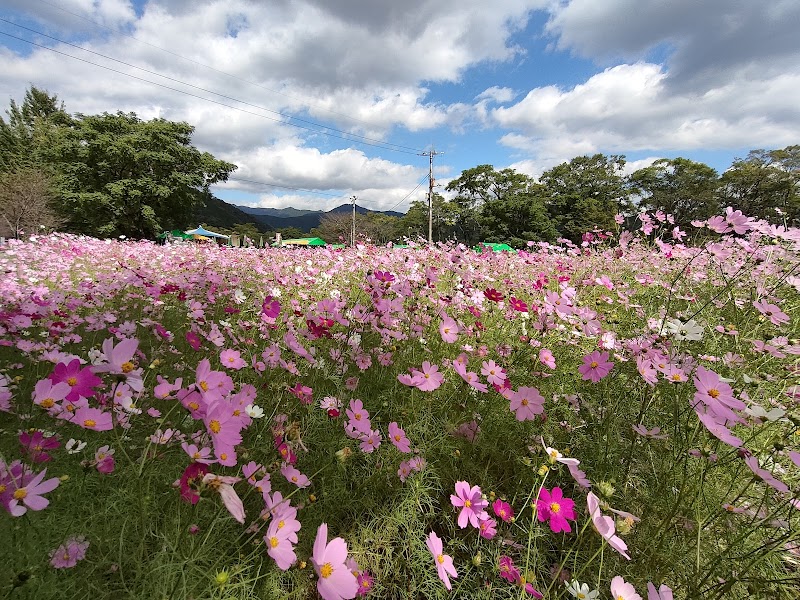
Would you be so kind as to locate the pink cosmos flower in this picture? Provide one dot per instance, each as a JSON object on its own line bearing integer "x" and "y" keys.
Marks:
{"x": 398, "y": 437}
{"x": 48, "y": 395}
{"x": 92, "y": 418}
{"x": 654, "y": 433}
{"x": 430, "y": 378}
{"x": 270, "y": 308}
{"x": 493, "y": 372}
{"x": 36, "y": 445}
{"x": 469, "y": 431}
{"x": 336, "y": 581}
{"x": 488, "y": 528}
{"x": 546, "y": 358}
{"x": 605, "y": 526}
{"x": 370, "y": 441}
{"x": 595, "y": 366}
{"x": 554, "y": 507}
{"x": 358, "y": 417}
{"x": 718, "y": 430}
{"x": 663, "y": 592}
{"x": 231, "y": 500}
{"x": 766, "y": 476}
{"x": 717, "y": 396}
{"x": 294, "y": 476}
{"x": 303, "y": 393}
{"x": 448, "y": 329}
{"x": 526, "y": 403}
{"x": 118, "y": 360}
{"x": 69, "y": 553}
{"x": 194, "y": 341}
{"x": 282, "y": 535}
{"x": 469, "y": 376}
{"x": 503, "y": 510}
{"x": 365, "y": 583}
{"x": 472, "y": 504}
{"x": 621, "y": 590}
{"x": 232, "y": 359}
{"x": 23, "y": 492}
{"x": 104, "y": 460}
{"x": 81, "y": 381}
{"x": 404, "y": 471}
{"x": 773, "y": 312}
{"x": 443, "y": 562}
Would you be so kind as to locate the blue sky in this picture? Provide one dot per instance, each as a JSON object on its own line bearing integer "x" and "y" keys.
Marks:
{"x": 525, "y": 84}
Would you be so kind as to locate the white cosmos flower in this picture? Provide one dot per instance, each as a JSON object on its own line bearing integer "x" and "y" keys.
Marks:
{"x": 239, "y": 297}
{"x": 689, "y": 331}
{"x": 254, "y": 411}
{"x": 581, "y": 591}
{"x": 74, "y": 446}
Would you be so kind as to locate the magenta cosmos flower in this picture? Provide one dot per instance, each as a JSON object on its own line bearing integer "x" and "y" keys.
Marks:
{"x": 503, "y": 510}
{"x": 81, "y": 381}
{"x": 336, "y": 581}
{"x": 554, "y": 507}
{"x": 595, "y": 366}
{"x": 444, "y": 563}
{"x": 716, "y": 395}
{"x": 526, "y": 403}
{"x": 472, "y": 504}
{"x": 36, "y": 445}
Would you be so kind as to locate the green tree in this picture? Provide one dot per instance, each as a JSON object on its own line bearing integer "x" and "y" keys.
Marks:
{"x": 518, "y": 218}
{"x": 414, "y": 224}
{"x": 765, "y": 185}
{"x": 122, "y": 175}
{"x": 679, "y": 186}
{"x": 585, "y": 193}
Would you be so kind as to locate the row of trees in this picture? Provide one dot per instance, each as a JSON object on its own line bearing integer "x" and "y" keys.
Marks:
{"x": 102, "y": 175}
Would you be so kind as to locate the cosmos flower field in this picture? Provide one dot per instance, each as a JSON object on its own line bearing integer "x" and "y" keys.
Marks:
{"x": 616, "y": 419}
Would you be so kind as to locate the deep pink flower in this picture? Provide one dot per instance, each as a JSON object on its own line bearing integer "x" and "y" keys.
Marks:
{"x": 81, "y": 381}
{"x": 471, "y": 502}
{"x": 526, "y": 403}
{"x": 190, "y": 481}
{"x": 303, "y": 393}
{"x": 488, "y": 528}
{"x": 194, "y": 341}
{"x": 398, "y": 437}
{"x": 104, "y": 460}
{"x": 270, "y": 308}
{"x": 554, "y": 507}
{"x": 503, "y": 510}
{"x": 443, "y": 562}
{"x": 595, "y": 366}
{"x": 36, "y": 445}
{"x": 517, "y": 304}
{"x": 492, "y": 295}
{"x": 69, "y": 553}
{"x": 507, "y": 569}
{"x": 336, "y": 581}
{"x": 365, "y": 583}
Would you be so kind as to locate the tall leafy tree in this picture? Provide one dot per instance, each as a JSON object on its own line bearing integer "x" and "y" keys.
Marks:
{"x": 414, "y": 224}
{"x": 125, "y": 176}
{"x": 766, "y": 184}
{"x": 585, "y": 193}
{"x": 679, "y": 186}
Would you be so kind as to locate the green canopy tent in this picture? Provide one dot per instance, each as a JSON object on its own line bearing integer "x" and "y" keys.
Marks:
{"x": 310, "y": 241}
{"x": 175, "y": 233}
{"x": 494, "y": 246}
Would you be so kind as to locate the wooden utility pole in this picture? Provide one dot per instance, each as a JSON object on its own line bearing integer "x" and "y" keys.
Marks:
{"x": 353, "y": 233}
{"x": 430, "y": 154}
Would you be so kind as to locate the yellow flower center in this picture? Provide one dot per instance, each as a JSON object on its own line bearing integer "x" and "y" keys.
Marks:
{"x": 555, "y": 507}
{"x": 594, "y": 364}
{"x": 676, "y": 377}
{"x": 65, "y": 556}
{"x": 713, "y": 393}
{"x": 273, "y": 541}
{"x": 440, "y": 559}
{"x": 194, "y": 405}
{"x": 196, "y": 455}
{"x": 224, "y": 456}
{"x": 467, "y": 503}
{"x": 214, "y": 426}
{"x": 20, "y": 494}
{"x": 203, "y": 386}
{"x": 72, "y": 381}
{"x": 581, "y": 595}
{"x": 2, "y": 488}
{"x": 47, "y": 403}
{"x": 281, "y": 524}
{"x": 524, "y": 402}
{"x": 398, "y": 438}
{"x": 326, "y": 570}
{"x": 294, "y": 478}
{"x": 89, "y": 423}
{"x": 127, "y": 366}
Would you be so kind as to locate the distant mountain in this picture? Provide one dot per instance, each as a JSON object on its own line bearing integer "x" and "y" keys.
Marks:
{"x": 304, "y": 220}
{"x": 218, "y": 213}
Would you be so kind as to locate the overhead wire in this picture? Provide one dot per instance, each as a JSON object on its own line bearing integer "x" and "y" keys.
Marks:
{"x": 323, "y": 129}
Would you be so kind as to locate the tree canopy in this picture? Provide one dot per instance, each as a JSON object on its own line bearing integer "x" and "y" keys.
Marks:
{"x": 114, "y": 174}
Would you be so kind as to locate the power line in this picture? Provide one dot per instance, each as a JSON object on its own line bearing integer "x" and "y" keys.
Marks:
{"x": 112, "y": 30}
{"x": 326, "y": 130}
{"x": 408, "y": 195}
